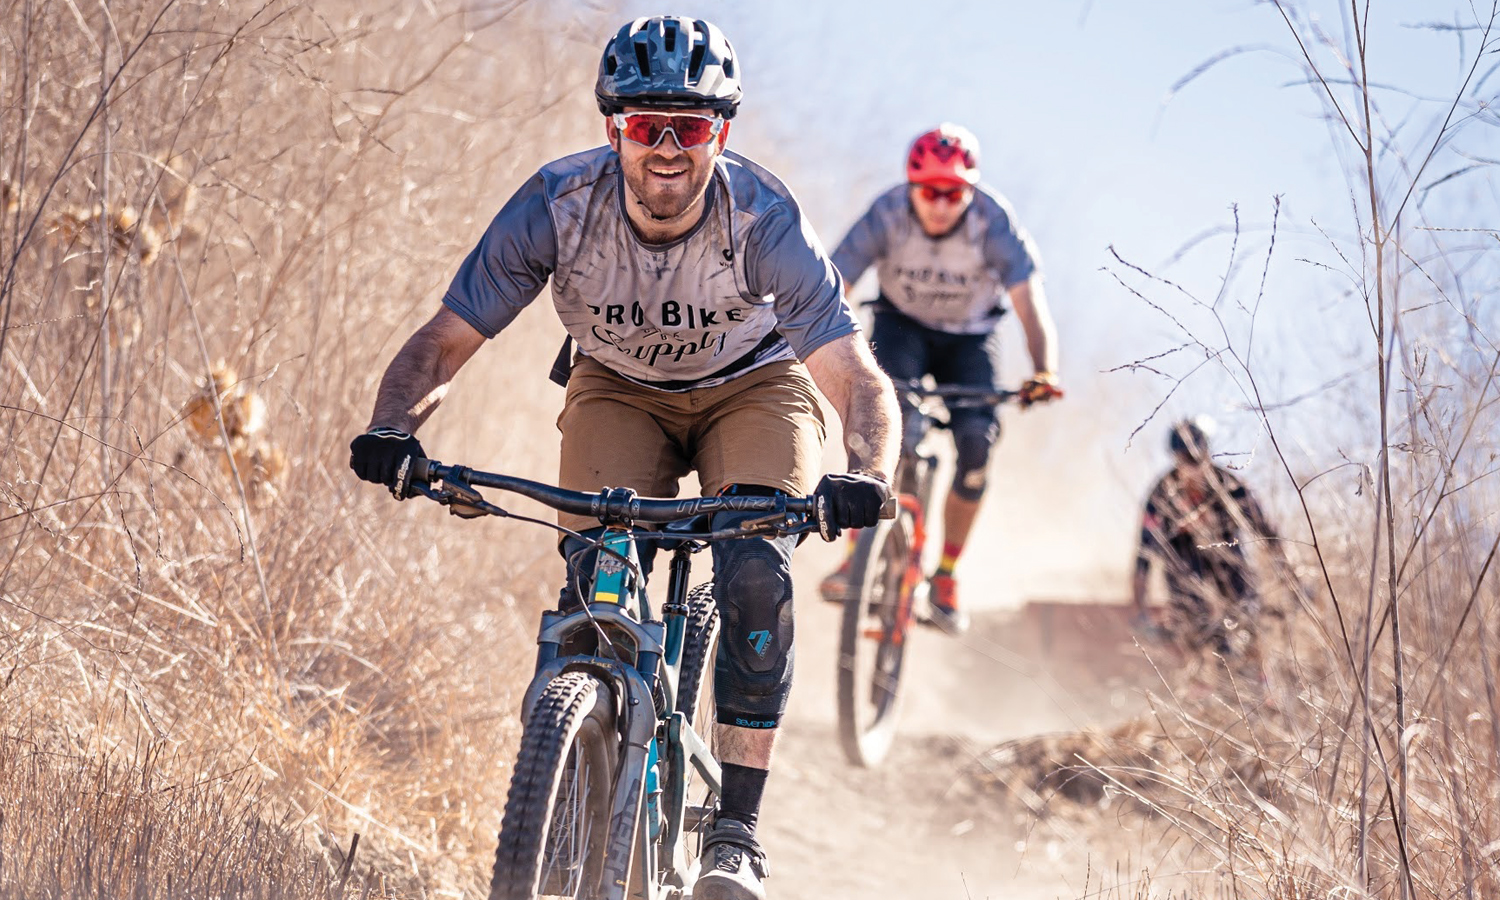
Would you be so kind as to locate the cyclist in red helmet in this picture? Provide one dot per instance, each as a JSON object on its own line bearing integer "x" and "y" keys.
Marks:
{"x": 949, "y": 256}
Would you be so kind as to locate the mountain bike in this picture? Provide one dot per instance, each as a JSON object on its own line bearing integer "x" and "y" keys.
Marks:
{"x": 887, "y": 588}
{"x": 601, "y": 802}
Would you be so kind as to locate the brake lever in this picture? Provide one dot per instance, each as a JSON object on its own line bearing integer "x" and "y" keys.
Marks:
{"x": 769, "y": 525}
{"x": 461, "y": 499}
{"x": 425, "y": 491}
{"x": 772, "y": 521}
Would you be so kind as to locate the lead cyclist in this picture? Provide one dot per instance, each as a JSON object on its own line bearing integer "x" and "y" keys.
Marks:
{"x": 707, "y": 318}
{"x": 948, "y": 252}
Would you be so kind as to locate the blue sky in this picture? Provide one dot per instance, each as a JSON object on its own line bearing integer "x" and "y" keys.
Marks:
{"x": 1082, "y": 127}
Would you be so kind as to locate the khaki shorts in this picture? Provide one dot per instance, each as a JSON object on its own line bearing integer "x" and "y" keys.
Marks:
{"x": 764, "y": 427}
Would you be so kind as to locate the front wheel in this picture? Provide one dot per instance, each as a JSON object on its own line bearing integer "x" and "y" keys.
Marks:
{"x": 877, "y": 620}
{"x": 552, "y": 840}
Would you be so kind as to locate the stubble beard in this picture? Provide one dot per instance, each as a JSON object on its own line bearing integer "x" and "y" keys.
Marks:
{"x": 667, "y": 201}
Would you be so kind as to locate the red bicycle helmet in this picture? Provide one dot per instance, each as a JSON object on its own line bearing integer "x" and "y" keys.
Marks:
{"x": 946, "y": 153}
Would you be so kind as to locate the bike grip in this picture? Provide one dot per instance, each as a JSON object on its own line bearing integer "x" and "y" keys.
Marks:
{"x": 888, "y": 510}
{"x": 421, "y": 470}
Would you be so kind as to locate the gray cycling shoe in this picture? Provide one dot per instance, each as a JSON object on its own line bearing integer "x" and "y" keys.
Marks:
{"x": 733, "y": 864}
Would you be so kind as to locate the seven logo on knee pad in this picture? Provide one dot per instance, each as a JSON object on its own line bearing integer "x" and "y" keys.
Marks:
{"x": 759, "y": 640}
{"x": 754, "y": 723}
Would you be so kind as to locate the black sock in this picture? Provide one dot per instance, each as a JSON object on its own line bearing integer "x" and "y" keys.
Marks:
{"x": 743, "y": 787}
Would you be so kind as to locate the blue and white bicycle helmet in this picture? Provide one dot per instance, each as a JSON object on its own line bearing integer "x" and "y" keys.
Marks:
{"x": 669, "y": 61}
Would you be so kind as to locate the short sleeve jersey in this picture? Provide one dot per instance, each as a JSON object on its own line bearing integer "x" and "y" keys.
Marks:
{"x": 748, "y": 286}
{"x": 954, "y": 283}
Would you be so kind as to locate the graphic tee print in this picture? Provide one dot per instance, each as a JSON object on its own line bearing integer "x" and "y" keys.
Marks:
{"x": 748, "y": 286}
{"x": 955, "y": 283}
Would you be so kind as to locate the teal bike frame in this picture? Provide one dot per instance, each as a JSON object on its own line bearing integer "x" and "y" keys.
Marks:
{"x": 636, "y": 655}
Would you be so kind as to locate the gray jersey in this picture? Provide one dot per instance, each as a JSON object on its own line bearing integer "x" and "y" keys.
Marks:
{"x": 749, "y": 285}
{"x": 955, "y": 283}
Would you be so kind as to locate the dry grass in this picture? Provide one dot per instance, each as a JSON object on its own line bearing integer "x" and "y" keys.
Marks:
{"x": 221, "y": 656}
{"x": 1368, "y": 761}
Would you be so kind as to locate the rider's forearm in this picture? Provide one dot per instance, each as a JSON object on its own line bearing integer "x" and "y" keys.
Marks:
{"x": 417, "y": 379}
{"x": 861, "y": 394}
{"x": 871, "y": 428}
{"x": 412, "y": 387}
{"x": 1029, "y": 300}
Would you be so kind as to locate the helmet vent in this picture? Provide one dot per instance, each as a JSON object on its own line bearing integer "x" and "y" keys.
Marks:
{"x": 611, "y": 64}
{"x": 701, "y": 35}
{"x": 643, "y": 59}
{"x": 670, "y": 38}
{"x": 728, "y": 67}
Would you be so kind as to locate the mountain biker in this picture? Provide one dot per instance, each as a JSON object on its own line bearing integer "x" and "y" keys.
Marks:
{"x": 707, "y": 318}
{"x": 1195, "y": 524}
{"x": 948, "y": 252}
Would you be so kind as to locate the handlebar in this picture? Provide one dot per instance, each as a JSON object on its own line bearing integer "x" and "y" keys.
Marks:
{"x": 611, "y": 505}
{"x": 958, "y": 394}
{"x": 620, "y": 503}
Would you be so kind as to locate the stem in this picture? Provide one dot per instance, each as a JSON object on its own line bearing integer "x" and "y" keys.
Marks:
{"x": 106, "y": 246}
{"x": 1383, "y": 356}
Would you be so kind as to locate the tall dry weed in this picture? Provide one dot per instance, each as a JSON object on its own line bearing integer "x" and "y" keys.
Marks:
{"x": 214, "y": 640}
{"x": 1367, "y": 762}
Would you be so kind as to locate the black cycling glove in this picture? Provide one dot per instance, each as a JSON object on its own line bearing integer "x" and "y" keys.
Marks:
{"x": 382, "y": 455}
{"x": 849, "y": 501}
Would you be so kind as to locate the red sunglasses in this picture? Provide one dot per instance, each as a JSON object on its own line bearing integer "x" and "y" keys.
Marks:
{"x": 933, "y": 193}
{"x": 648, "y": 128}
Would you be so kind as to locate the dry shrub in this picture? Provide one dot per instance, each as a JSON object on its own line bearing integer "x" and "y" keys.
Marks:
{"x": 1367, "y": 762}
{"x": 114, "y": 827}
{"x": 217, "y": 222}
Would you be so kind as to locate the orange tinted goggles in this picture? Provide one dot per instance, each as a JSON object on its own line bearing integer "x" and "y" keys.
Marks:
{"x": 688, "y": 130}
{"x": 932, "y": 193}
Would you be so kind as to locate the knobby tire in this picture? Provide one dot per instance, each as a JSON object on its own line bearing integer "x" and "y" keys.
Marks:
{"x": 699, "y": 648}
{"x": 557, "y": 813}
{"x": 869, "y": 669}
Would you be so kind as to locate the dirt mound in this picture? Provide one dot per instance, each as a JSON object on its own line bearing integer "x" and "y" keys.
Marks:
{"x": 1143, "y": 763}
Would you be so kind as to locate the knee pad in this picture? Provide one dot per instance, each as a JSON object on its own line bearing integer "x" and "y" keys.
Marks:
{"x": 753, "y": 591}
{"x": 971, "y": 469}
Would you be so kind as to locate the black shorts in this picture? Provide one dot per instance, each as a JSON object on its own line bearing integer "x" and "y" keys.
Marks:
{"x": 906, "y": 349}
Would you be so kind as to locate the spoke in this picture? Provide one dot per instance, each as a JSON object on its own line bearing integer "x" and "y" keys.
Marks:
{"x": 569, "y": 832}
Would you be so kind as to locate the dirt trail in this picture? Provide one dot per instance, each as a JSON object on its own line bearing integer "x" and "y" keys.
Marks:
{"x": 834, "y": 831}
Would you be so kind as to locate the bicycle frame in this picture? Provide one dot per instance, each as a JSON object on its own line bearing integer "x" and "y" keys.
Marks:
{"x": 645, "y": 655}
{"x": 916, "y": 468}
{"x": 619, "y": 609}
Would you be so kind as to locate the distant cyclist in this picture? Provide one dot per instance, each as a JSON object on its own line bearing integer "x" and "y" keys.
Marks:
{"x": 948, "y": 253}
{"x": 707, "y": 319}
{"x": 1196, "y": 524}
